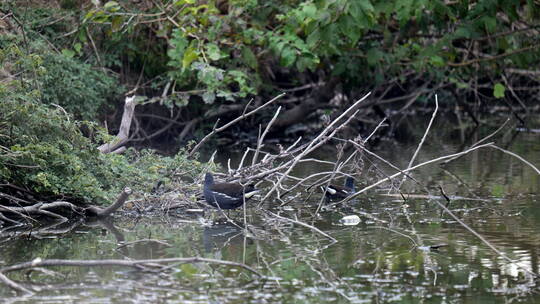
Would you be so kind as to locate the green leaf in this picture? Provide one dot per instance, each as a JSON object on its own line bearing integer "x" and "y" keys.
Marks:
{"x": 437, "y": 61}
{"x": 190, "y": 55}
{"x": 313, "y": 38}
{"x": 498, "y": 90}
{"x": 68, "y": 53}
{"x": 288, "y": 56}
{"x": 111, "y": 6}
{"x": 77, "y": 46}
{"x": 310, "y": 10}
{"x": 209, "y": 97}
{"x": 213, "y": 52}
{"x": 249, "y": 57}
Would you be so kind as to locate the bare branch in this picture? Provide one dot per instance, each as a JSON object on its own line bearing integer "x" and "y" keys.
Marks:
{"x": 216, "y": 130}
{"x": 123, "y": 134}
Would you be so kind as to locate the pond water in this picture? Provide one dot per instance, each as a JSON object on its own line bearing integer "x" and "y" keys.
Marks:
{"x": 387, "y": 257}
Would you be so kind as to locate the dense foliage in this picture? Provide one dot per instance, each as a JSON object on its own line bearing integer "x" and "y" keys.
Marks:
{"x": 46, "y": 153}
{"x": 229, "y": 49}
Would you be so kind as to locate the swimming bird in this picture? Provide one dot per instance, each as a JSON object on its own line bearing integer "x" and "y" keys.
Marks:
{"x": 334, "y": 192}
{"x": 226, "y": 195}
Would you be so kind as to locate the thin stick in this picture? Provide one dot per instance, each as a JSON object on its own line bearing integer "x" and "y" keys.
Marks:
{"x": 375, "y": 130}
{"x": 327, "y": 184}
{"x": 516, "y": 156}
{"x": 303, "y": 224}
{"x": 312, "y": 144}
{"x": 423, "y": 139}
{"x": 410, "y": 169}
{"x": 14, "y": 285}
{"x": 497, "y": 251}
{"x": 483, "y": 139}
{"x": 244, "y": 115}
{"x": 143, "y": 241}
{"x": 261, "y": 138}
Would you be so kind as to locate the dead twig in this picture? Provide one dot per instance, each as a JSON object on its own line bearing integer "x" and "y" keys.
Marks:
{"x": 217, "y": 130}
{"x": 319, "y": 140}
{"x": 413, "y": 158}
{"x": 261, "y": 138}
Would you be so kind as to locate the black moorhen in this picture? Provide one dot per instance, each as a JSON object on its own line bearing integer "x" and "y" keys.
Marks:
{"x": 226, "y": 195}
{"x": 335, "y": 192}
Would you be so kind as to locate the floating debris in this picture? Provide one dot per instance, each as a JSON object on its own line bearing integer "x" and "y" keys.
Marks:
{"x": 350, "y": 220}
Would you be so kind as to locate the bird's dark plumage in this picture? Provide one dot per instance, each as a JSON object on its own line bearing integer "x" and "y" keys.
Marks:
{"x": 226, "y": 195}
{"x": 334, "y": 192}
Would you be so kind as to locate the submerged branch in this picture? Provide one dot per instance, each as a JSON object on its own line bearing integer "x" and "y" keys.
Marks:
{"x": 100, "y": 212}
{"x": 140, "y": 264}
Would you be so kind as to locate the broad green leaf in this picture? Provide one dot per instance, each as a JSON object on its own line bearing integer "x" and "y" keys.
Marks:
{"x": 77, "y": 47}
{"x": 310, "y": 10}
{"x": 313, "y": 38}
{"x": 111, "y": 6}
{"x": 498, "y": 90}
{"x": 213, "y": 52}
{"x": 190, "y": 55}
{"x": 462, "y": 32}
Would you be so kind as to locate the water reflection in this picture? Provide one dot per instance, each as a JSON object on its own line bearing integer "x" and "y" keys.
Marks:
{"x": 386, "y": 257}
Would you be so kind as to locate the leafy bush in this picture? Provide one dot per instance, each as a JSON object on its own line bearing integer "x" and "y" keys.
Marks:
{"x": 229, "y": 48}
{"x": 79, "y": 88}
{"x": 44, "y": 150}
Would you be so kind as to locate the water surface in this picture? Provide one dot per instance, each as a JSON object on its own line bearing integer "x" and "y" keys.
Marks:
{"x": 385, "y": 258}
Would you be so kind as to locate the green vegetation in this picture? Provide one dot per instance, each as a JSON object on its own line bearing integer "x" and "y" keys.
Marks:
{"x": 77, "y": 87}
{"x": 229, "y": 49}
{"x": 65, "y": 64}
{"x": 47, "y": 151}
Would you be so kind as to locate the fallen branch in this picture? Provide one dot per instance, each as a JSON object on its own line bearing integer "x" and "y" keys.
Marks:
{"x": 413, "y": 158}
{"x": 100, "y": 212}
{"x": 13, "y": 285}
{"x": 435, "y": 160}
{"x": 123, "y": 134}
{"x": 480, "y": 237}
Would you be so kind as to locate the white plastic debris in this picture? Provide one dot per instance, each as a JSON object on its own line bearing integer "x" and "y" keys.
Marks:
{"x": 350, "y": 220}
